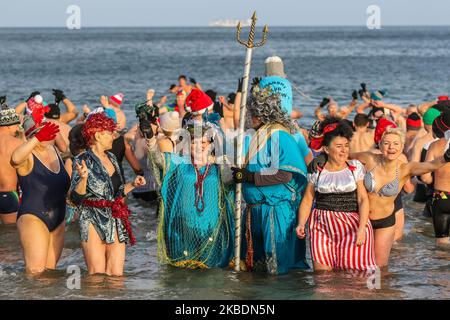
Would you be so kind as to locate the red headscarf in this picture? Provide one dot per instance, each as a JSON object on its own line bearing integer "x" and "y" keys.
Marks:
{"x": 381, "y": 127}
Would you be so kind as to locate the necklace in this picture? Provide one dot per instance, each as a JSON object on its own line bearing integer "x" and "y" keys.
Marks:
{"x": 200, "y": 178}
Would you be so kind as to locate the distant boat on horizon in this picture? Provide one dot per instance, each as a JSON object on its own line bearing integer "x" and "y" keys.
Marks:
{"x": 230, "y": 23}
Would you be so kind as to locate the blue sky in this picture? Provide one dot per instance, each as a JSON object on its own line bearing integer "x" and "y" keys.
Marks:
{"x": 41, "y": 13}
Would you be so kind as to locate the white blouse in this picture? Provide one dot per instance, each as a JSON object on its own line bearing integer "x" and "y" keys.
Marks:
{"x": 338, "y": 181}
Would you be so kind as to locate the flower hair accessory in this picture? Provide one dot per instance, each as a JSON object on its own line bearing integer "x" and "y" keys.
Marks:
{"x": 329, "y": 128}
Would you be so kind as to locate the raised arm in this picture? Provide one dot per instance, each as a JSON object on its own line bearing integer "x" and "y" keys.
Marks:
{"x": 131, "y": 158}
{"x": 425, "y": 106}
{"x": 390, "y": 106}
{"x": 363, "y": 106}
{"x": 422, "y": 168}
{"x": 71, "y": 113}
{"x": 363, "y": 157}
{"x": 431, "y": 156}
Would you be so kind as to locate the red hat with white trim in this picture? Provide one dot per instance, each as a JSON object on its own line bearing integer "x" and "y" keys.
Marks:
{"x": 117, "y": 98}
{"x": 197, "y": 102}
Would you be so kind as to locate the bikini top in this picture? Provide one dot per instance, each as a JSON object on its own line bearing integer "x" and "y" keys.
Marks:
{"x": 388, "y": 190}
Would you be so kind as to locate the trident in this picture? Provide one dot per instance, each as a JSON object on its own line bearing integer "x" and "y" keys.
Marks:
{"x": 248, "y": 60}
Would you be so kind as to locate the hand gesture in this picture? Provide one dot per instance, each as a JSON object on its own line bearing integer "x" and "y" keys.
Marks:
{"x": 59, "y": 95}
{"x": 240, "y": 84}
{"x": 361, "y": 237}
{"x": 324, "y": 102}
{"x": 222, "y": 100}
{"x": 48, "y": 132}
{"x": 300, "y": 230}
{"x": 104, "y": 101}
{"x": 82, "y": 169}
{"x": 86, "y": 109}
{"x": 139, "y": 181}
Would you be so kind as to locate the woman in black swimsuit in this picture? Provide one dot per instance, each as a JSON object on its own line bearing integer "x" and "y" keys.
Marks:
{"x": 44, "y": 183}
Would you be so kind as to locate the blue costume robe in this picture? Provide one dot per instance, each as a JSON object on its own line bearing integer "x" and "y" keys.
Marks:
{"x": 273, "y": 209}
{"x": 193, "y": 233}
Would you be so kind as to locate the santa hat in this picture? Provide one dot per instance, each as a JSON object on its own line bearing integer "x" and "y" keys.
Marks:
{"x": 381, "y": 127}
{"x": 197, "y": 102}
{"x": 117, "y": 98}
{"x": 37, "y": 108}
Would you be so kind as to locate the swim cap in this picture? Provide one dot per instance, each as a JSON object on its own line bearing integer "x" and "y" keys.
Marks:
{"x": 381, "y": 127}
{"x": 413, "y": 121}
{"x": 378, "y": 95}
{"x": 430, "y": 115}
{"x": 441, "y": 124}
{"x": 54, "y": 112}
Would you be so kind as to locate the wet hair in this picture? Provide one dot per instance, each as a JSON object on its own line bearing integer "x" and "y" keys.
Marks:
{"x": 172, "y": 86}
{"x": 340, "y": 128}
{"x": 97, "y": 122}
{"x": 266, "y": 106}
{"x": 182, "y": 77}
{"x": 350, "y": 124}
{"x": 361, "y": 120}
{"x": 212, "y": 94}
{"x": 76, "y": 140}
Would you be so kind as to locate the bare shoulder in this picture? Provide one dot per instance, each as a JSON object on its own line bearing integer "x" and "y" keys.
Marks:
{"x": 13, "y": 143}
{"x": 437, "y": 146}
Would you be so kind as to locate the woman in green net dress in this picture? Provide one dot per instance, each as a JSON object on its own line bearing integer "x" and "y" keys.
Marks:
{"x": 196, "y": 212}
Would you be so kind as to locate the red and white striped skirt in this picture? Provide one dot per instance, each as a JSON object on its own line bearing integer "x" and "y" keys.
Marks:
{"x": 333, "y": 241}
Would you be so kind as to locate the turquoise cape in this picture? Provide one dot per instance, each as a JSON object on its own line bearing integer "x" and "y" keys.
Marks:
{"x": 273, "y": 209}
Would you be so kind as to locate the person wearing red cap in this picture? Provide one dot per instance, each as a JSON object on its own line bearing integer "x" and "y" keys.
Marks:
{"x": 386, "y": 176}
{"x": 200, "y": 109}
{"x": 115, "y": 102}
{"x": 414, "y": 128}
{"x": 441, "y": 179}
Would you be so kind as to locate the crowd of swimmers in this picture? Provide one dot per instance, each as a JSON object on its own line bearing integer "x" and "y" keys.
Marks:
{"x": 336, "y": 186}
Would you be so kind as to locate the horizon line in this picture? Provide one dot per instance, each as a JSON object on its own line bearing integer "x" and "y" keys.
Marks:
{"x": 219, "y": 27}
